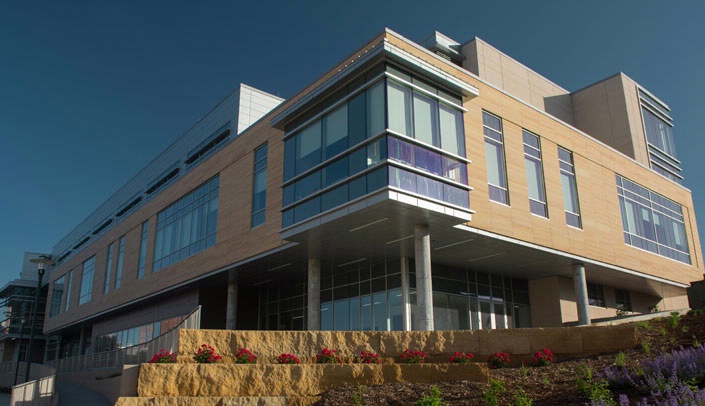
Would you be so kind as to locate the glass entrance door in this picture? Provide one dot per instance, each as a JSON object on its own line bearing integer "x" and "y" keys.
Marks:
{"x": 492, "y": 314}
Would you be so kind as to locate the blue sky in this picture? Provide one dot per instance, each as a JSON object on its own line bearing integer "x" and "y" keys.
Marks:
{"x": 90, "y": 92}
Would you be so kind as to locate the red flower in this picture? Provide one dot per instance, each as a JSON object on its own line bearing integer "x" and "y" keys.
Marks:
{"x": 461, "y": 358}
{"x": 287, "y": 359}
{"x": 369, "y": 358}
{"x": 328, "y": 356}
{"x": 412, "y": 356}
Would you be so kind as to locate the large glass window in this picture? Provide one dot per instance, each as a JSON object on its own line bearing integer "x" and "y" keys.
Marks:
{"x": 187, "y": 226}
{"x": 570, "y": 188}
{"x": 120, "y": 261}
{"x": 651, "y": 221}
{"x": 534, "y": 174}
{"x": 416, "y": 114}
{"x": 308, "y": 147}
{"x": 57, "y": 294}
{"x": 87, "y": 281}
{"x": 326, "y": 153}
{"x": 108, "y": 267}
{"x": 658, "y": 127}
{"x": 143, "y": 250}
{"x": 494, "y": 154}
{"x": 399, "y": 108}
{"x": 259, "y": 186}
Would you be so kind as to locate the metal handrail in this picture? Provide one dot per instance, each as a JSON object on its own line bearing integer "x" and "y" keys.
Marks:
{"x": 135, "y": 354}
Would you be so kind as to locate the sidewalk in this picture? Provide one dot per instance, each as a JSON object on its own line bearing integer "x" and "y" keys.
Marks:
{"x": 70, "y": 395}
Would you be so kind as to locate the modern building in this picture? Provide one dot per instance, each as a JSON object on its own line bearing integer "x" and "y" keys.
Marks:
{"x": 17, "y": 301}
{"x": 414, "y": 186}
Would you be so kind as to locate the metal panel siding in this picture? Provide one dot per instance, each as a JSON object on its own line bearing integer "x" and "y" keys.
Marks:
{"x": 258, "y": 104}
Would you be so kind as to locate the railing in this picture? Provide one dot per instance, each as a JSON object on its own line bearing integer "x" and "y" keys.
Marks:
{"x": 40, "y": 391}
{"x": 136, "y": 354}
{"x": 35, "y": 393}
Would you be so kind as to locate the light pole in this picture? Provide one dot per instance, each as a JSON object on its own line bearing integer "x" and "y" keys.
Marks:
{"x": 19, "y": 349}
{"x": 42, "y": 261}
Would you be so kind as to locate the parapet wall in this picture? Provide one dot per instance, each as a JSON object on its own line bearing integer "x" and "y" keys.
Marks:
{"x": 520, "y": 343}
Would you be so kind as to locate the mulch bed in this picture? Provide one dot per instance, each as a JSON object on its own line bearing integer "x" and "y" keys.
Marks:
{"x": 555, "y": 384}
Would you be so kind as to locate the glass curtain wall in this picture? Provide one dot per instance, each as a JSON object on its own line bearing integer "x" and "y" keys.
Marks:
{"x": 368, "y": 297}
{"x": 187, "y": 226}
{"x": 341, "y": 152}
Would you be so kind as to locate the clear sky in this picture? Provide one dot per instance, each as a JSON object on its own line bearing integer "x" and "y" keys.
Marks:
{"x": 91, "y": 91}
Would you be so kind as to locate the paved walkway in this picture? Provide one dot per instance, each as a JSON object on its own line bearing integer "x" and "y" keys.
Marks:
{"x": 70, "y": 395}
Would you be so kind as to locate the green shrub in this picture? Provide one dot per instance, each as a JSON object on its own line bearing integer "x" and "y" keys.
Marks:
{"x": 620, "y": 359}
{"x": 434, "y": 398}
{"x": 522, "y": 399}
{"x": 492, "y": 394}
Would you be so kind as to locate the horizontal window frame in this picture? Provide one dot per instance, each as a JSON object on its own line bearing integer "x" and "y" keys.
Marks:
{"x": 372, "y": 82}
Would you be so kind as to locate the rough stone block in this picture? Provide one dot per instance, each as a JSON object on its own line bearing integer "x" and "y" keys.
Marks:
{"x": 231, "y": 380}
{"x": 513, "y": 341}
{"x": 558, "y": 340}
{"x": 599, "y": 339}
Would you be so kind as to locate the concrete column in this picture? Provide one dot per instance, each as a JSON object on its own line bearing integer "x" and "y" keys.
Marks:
{"x": 406, "y": 303}
{"x": 314, "y": 294}
{"x": 82, "y": 341}
{"x": 424, "y": 291}
{"x": 581, "y": 295}
{"x": 231, "y": 307}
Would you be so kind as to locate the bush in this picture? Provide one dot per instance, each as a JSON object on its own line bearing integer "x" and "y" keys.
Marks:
{"x": 245, "y": 356}
{"x": 328, "y": 356}
{"x": 461, "y": 358}
{"x": 413, "y": 356}
{"x": 492, "y": 394}
{"x": 498, "y": 360}
{"x": 207, "y": 355}
{"x": 434, "y": 398}
{"x": 369, "y": 357}
{"x": 288, "y": 359}
{"x": 163, "y": 357}
{"x": 542, "y": 358}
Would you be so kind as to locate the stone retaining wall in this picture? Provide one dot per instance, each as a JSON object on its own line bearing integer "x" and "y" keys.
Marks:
{"x": 520, "y": 343}
{"x": 218, "y": 380}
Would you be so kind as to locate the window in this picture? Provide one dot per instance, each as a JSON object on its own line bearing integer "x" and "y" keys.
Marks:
{"x": 331, "y": 150}
{"x": 187, "y": 226}
{"x": 570, "y": 188}
{"x": 259, "y": 186}
{"x": 623, "y": 300}
{"x": 494, "y": 153}
{"x": 108, "y": 268}
{"x": 651, "y": 221}
{"x": 534, "y": 174}
{"x": 57, "y": 294}
{"x": 415, "y": 113}
{"x": 87, "y": 281}
{"x": 121, "y": 256}
{"x": 596, "y": 295}
{"x": 68, "y": 291}
{"x": 658, "y": 128}
{"x": 143, "y": 250}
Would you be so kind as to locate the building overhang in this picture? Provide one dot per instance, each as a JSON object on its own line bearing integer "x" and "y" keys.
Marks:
{"x": 380, "y": 51}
